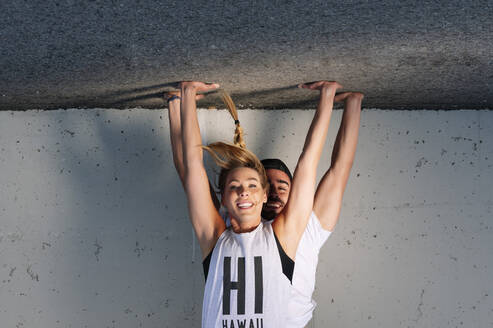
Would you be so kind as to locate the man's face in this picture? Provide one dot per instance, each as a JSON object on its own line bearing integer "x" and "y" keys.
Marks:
{"x": 280, "y": 186}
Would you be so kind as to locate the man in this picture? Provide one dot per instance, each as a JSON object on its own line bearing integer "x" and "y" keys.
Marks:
{"x": 327, "y": 200}
{"x": 326, "y": 208}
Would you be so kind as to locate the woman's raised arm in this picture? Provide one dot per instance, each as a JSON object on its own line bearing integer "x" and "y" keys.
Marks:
{"x": 206, "y": 220}
{"x": 328, "y": 197}
{"x": 174, "y": 103}
{"x": 291, "y": 222}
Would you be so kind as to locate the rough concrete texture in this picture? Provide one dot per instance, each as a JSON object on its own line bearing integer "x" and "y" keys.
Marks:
{"x": 121, "y": 54}
{"x": 94, "y": 229}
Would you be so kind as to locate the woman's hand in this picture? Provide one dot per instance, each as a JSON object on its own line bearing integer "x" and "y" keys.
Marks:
{"x": 197, "y": 86}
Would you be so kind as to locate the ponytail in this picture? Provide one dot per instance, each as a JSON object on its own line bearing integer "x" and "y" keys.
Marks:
{"x": 228, "y": 156}
{"x": 238, "y": 139}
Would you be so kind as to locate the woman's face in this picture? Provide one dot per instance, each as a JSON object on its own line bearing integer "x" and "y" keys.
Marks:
{"x": 244, "y": 195}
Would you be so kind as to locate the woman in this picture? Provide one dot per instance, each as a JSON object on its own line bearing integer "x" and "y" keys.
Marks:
{"x": 251, "y": 264}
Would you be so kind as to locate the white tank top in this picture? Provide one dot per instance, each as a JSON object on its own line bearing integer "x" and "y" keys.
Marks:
{"x": 245, "y": 284}
{"x": 301, "y": 304}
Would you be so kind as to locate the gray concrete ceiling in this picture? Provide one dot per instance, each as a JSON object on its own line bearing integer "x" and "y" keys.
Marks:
{"x": 401, "y": 54}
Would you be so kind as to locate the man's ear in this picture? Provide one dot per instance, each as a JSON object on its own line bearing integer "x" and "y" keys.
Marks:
{"x": 265, "y": 197}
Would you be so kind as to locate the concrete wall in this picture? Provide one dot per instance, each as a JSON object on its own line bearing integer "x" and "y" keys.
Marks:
{"x": 94, "y": 229}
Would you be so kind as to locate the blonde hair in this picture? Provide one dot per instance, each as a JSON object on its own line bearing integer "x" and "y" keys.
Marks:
{"x": 231, "y": 156}
{"x": 238, "y": 137}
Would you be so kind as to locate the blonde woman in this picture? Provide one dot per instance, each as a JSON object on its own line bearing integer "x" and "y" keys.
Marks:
{"x": 250, "y": 265}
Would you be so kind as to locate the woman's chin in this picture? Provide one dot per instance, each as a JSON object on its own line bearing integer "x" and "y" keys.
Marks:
{"x": 246, "y": 218}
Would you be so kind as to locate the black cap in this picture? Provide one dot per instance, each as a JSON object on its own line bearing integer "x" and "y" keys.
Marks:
{"x": 277, "y": 164}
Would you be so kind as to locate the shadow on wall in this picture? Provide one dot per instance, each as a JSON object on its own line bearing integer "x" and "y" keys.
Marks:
{"x": 131, "y": 234}
{"x": 132, "y": 221}
{"x": 127, "y": 98}
{"x": 273, "y": 98}
{"x": 152, "y": 97}
{"x": 102, "y": 233}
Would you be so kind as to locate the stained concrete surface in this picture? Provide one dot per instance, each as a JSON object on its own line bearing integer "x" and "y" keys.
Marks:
{"x": 94, "y": 230}
{"x": 121, "y": 54}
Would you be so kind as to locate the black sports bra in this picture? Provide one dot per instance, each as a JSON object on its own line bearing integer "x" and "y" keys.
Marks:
{"x": 286, "y": 262}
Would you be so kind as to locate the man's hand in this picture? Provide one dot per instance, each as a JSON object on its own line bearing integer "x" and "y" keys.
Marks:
{"x": 197, "y": 86}
{"x": 320, "y": 85}
{"x": 169, "y": 94}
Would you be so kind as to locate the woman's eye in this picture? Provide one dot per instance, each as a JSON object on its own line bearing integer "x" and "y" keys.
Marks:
{"x": 253, "y": 186}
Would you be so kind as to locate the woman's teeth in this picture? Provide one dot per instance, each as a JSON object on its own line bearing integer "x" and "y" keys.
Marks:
{"x": 245, "y": 205}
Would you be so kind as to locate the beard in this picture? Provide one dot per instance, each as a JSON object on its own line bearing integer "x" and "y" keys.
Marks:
{"x": 270, "y": 212}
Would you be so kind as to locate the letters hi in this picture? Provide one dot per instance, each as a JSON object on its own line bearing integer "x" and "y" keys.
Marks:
{"x": 239, "y": 285}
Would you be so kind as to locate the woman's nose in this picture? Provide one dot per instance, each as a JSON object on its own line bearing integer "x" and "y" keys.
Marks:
{"x": 243, "y": 191}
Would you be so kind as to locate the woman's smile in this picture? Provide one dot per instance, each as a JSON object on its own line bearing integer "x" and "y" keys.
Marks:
{"x": 244, "y": 205}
